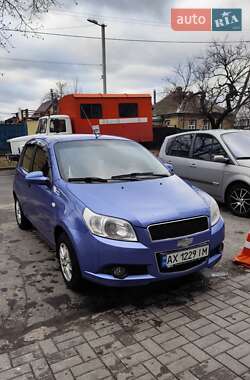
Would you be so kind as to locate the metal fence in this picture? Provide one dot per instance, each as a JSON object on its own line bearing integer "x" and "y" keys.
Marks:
{"x": 9, "y": 131}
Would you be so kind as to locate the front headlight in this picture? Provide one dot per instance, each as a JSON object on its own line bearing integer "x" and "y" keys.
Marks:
{"x": 109, "y": 227}
{"x": 214, "y": 211}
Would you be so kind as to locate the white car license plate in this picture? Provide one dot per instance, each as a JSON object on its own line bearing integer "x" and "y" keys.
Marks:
{"x": 180, "y": 257}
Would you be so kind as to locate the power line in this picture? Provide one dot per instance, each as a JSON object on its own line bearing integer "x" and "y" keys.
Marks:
{"x": 121, "y": 39}
{"x": 48, "y": 62}
{"x": 113, "y": 18}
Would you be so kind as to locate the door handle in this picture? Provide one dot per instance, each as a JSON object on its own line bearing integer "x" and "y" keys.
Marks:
{"x": 193, "y": 166}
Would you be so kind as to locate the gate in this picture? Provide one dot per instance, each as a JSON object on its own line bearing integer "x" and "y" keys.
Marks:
{"x": 9, "y": 131}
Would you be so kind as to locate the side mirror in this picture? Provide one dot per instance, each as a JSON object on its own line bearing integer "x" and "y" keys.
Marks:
{"x": 37, "y": 178}
{"x": 222, "y": 159}
{"x": 169, "y": 167}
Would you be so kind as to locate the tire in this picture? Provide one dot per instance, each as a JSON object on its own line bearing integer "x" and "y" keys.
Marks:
{"x": 68, "y": 262}
{"x": 238, "y": 199}
{"x": 21, "y": 220}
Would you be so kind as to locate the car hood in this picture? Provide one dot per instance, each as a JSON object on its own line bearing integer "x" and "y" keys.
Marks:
{"x": 245, "y": 163}
{"x": 143, "y": 202}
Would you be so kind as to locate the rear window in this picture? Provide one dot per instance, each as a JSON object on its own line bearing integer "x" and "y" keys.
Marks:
{"x": 91, "y": 111}
{"x": 180, "y": 146}
{"x": 57, "y": 126}
{"x": 128, "y": 110}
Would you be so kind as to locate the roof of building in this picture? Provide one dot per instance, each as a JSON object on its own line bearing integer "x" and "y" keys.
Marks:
{"x": 43, "y": 108}
{"x": 178, "y": 102}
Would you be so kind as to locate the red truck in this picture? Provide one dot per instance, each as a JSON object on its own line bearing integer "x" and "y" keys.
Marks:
{"x": 122, "y": 115}
{"x": 117, "y": 114}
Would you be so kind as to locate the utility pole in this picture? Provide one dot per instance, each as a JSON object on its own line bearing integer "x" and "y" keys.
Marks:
{"x": 104, "y": 59}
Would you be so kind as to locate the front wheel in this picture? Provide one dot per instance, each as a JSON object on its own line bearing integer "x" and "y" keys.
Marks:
{"x": 238, "y": 199}
{"x": 68, "y": 262}
{"x": 21, "y": 220}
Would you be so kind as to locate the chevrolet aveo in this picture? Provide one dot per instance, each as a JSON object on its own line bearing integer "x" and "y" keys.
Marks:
{"x": 114, "y": 213}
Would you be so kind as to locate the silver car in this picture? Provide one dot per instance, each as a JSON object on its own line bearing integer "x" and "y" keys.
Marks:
{"x": 217, "y": 161}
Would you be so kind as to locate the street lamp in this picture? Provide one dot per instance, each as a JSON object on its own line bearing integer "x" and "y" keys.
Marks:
{"x": 104, "y": 64}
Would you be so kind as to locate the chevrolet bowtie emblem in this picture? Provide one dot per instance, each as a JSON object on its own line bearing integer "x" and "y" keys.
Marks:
{"x": 184, "y": 243}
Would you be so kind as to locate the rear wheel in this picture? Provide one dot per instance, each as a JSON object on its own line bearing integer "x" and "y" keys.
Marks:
{"x": 68, "y": 262}
{"x": 238, "y": 199}
{"x": 21, "y": 220}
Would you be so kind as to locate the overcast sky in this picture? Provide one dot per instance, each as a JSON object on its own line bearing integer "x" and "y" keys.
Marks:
{"x": 132, "y": 67}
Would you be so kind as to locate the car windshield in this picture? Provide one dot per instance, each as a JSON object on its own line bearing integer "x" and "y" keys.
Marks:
{"x": 238, "y": 143}
{"x": 106, "y": 160}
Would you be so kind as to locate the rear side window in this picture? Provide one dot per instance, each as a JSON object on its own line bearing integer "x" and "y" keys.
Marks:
{"x": 57, "y": 126}
{"x": 41, "y": 162}
{"x": 128, "y": 110}
{"x": 206, "y": 147}
{"x": 91, "y": 111}
{"x": 26, "y": 160}
{"x": 180, "y": 146}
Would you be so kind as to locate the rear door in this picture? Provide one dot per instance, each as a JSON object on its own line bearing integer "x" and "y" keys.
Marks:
{"x": 22, "y": 189}
{"x": 204, "y": 172}
{"x": 177, "y": 153}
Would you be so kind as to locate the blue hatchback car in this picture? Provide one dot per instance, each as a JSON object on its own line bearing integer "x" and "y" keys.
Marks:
{"x": 114, "y": 213}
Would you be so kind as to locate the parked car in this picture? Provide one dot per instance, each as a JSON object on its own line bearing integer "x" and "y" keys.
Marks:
{"x": 115, "y": 214}
{"x": 216, "y": 161}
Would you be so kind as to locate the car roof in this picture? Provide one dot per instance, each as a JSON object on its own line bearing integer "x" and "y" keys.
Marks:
{"x": 52, "y": 139}
{"x": 213, "y": 132}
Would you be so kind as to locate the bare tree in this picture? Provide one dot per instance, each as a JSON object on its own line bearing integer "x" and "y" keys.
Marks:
{"x": 58, "y": 92}
{"x": 19, "y": 15}
{"x": 221, "y": 80}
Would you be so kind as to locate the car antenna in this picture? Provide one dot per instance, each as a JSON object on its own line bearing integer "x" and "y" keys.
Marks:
{"x": 96, "y": 130}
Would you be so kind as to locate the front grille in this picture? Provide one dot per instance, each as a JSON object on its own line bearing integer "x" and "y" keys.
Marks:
{"x": 178, "y": 228}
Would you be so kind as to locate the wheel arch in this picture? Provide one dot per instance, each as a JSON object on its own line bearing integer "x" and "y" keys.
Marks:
{"x": 233, "y": 183}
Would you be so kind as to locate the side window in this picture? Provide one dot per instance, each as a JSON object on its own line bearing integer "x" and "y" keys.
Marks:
{"x": 42, "y": 126}
{"x": 206, "y": 147}
{"x": 57, "y": 126}
{"x": 27, "y": 157}
{"x": 128, "y": 110}
{"x": 41, "y": 162}
{"x": 91, "y": 111}
{"x": 180, "y": 146}
{"x": 217, "y": 149}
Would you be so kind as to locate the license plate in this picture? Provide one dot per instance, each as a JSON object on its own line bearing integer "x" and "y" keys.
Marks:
{"x": 191, "y": 254}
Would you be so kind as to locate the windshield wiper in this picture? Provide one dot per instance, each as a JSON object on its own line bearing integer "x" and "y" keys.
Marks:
{"x": 87, "y": 179}
{"x": 136, "y": 175}
{"x": 243, "y": 158}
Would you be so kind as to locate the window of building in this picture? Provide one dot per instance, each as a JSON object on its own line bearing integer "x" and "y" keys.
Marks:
{"x": 206, "y": 124}
{"x": 91, "y": 111}
{"x": 41, "y": 162}
{"x": 192, "y": 124}
{"x": 128, "y": 110}
{"x": 180, "y": 146}
{"x": 27, "y": 157}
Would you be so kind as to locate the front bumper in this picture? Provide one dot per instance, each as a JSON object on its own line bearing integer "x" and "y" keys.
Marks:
{"x": 95, "y": 254}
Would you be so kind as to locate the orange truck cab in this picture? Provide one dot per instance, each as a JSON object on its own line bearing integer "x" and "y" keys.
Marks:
{"x": 125, "y": 115}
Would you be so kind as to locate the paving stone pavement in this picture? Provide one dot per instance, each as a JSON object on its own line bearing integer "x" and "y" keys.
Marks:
{"x": 205, "y": 337}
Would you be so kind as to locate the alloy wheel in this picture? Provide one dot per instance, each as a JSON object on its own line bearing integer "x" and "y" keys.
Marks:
{"x": 18, "y": 212}
{"x": 65, "y": 262}
{"x": 240, "y": 201}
